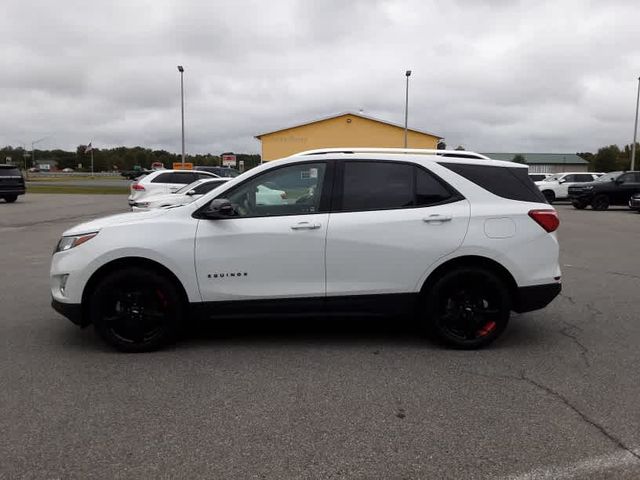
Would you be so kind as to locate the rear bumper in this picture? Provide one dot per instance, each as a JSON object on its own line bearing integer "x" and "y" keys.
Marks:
{"x": 73, "y": 311}
{"x": 536, "y": 297}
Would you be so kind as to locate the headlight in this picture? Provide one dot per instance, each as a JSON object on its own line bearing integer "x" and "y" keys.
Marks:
{"x": 67, "y": 243}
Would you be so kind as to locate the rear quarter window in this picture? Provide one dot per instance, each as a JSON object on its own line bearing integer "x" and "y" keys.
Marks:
{"x": 174, "y": 177}
{"x": 505, "y": 182}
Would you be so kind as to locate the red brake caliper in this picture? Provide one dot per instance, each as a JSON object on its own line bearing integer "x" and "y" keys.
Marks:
{"x": 487, "y": 329}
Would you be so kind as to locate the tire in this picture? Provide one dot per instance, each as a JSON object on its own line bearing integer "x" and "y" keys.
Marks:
{"x": 579, "y": 205}
{"x": 10, "y": 198}
{"x": 136, "y": 310}
{"x": 549, "y": 195}
{"x": 468, "y": 308}
{"x": 600, "y": 202}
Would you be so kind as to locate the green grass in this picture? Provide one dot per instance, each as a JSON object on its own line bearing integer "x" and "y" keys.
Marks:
{"x": 79, "y": 190}
{"x": 73, "y": 178}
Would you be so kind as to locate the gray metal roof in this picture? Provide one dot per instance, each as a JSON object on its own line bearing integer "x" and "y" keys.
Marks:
{"x": 541, "y": 158}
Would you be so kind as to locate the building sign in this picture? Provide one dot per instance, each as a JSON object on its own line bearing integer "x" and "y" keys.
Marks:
{"x": 181, "y": 166}
{"x": 228, "y": 160}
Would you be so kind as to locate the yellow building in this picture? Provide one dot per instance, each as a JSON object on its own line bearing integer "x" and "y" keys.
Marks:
{"x": 342, "y": 130}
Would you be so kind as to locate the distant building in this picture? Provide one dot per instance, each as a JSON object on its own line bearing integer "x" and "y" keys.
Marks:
{"x": 547, "y": 162}
{"x": 341, "y": 130}
{"x": 48, "y": 165}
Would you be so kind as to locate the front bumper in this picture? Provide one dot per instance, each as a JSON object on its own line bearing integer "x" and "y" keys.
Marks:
{"x": 73, "y": 311}
{"x": 536, "y": 297}
{"x": 634, "y": 203}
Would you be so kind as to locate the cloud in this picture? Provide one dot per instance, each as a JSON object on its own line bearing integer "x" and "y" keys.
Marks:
{"x": 494, "y": 76}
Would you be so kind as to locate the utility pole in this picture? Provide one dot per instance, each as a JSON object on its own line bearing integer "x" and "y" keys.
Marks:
{"x": 181, "y": 70}
{"x": 635, "y": 131}
{"x": 406, "y": 108}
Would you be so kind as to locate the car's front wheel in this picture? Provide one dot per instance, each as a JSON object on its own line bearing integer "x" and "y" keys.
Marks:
{"x": 136, "y": 310}
{"x": 10, "y": 198}
{"x": 468, "y": 307}
{"x": 579, "y": 205}
{"x": 600, "y": 202}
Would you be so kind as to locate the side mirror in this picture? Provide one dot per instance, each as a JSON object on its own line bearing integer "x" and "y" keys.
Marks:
{"x": 562, "y": 180}
{"x": 219, "y": 208}
{"x": 191, "y": 192}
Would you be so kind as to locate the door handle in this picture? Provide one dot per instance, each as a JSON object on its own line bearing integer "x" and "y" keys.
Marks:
{"x": 305, "y": 226}
{"x": 436, "y": 218}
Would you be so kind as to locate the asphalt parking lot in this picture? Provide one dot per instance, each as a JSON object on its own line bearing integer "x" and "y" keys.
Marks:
{"x": 556, "y": 397}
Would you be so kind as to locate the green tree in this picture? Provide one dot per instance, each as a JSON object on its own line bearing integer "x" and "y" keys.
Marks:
{"x": 518, "y": 158}
{"x": 607, "y": 159}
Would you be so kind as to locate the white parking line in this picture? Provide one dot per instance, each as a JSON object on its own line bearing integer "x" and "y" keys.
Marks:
{"x": 580, "y": 469}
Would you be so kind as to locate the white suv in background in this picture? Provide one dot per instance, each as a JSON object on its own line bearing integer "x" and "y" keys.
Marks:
{"x": 186, "y": 194}
{"x": 454, "y": 238}
{"x": 164, "y": 182}
{"x": 556, "y": 187}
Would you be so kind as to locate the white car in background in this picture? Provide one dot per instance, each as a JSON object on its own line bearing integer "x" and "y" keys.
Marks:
{"x": 164, "y": 182}
{"x": 556, "y": 187}
{"x": 186, "y": 194}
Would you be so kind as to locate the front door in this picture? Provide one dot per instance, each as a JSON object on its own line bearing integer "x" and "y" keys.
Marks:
{"x": 274, "y": 246}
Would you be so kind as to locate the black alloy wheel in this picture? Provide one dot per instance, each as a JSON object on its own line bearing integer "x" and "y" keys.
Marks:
{"x": 10, "y": 198}
{"x": 468, "y": 307}
{"x": 600, "y": 202}
{"x": 579, "y": 205}
{"x": 549, "y": 195}
{"x": 136, "y": 310}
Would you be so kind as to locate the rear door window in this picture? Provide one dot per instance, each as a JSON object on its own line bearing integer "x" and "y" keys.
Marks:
{"x": 506, "y": 182}
{"x": 379, "y": 185}
{"x": 175, "y": 177}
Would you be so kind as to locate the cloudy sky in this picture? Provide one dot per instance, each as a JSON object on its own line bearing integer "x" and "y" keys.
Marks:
{"x": 493, "y": 75}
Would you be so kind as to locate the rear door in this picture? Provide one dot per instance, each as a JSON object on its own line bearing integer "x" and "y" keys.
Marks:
{"x": 391, "y": 221}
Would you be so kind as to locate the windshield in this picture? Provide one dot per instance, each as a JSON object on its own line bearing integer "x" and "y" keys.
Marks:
{"x": 10, "y": 172}
{"x": 608, "y": 177}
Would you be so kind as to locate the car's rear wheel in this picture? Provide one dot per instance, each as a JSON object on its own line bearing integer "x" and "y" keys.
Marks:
{"x": 549, "y": 195}
{"x": 10, "y": 198}
{"x": 468, "y": 307}
{"x": 600, "y": 202}
{"x": 136, "y": 310}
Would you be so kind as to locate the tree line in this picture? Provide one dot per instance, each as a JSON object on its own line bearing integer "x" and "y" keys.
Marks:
{"x": 118, "y": 158}
{"x": 611, "y": 158}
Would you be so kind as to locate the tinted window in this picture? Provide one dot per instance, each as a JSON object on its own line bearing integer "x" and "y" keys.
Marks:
{"x": 584, "y": 177}
{"x": 429, "y": 190}
{"x": 293, "y": 190}
{"x": 537, "y": 177}
{"x": 175, "y": 177}
{"x": 506, "y": 182}
{"x": 570, "y": 178}
{"x": 389, "y": 185}
{"x": 377, "y": 185}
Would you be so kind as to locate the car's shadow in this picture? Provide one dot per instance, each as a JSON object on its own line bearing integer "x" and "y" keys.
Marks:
{"x": 357, "y": 332}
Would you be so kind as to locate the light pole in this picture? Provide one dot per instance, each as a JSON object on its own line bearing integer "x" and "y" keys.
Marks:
{"x": 33, "y": 152}
{"x": 635, "y": 131}
{"x": 181, "y": 70}
{"x": 406, "y": 108}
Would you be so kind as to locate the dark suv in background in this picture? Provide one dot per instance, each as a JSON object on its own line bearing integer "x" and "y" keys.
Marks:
{"x": 614, "y": 188}
{"x": 11, "y": 183}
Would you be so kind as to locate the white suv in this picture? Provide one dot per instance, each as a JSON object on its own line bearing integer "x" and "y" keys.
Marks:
{"x": 455, "y": 238}
{"x": 556, "y": 187}
{"x": 164, "y": 182}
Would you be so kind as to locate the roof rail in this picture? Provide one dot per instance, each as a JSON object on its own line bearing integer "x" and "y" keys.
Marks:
{"x": 415, "y": 151}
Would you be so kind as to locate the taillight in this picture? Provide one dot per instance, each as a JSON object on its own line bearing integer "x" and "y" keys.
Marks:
{"x": 137, "y": 186}
{"x": 547, "y": 219}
